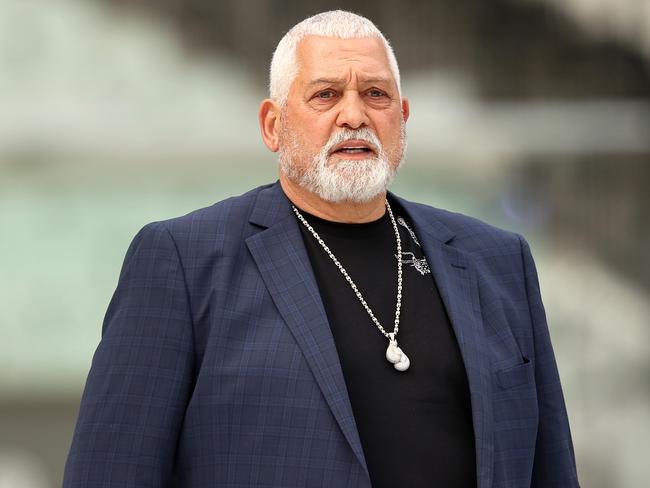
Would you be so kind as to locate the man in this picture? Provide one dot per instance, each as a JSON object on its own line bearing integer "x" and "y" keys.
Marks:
{"x": 319, "y": 331}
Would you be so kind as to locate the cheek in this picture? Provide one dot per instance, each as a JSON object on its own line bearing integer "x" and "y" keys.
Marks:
{"x": 393, "y": 132}
{"x": 314, "y": 137}
{"x": 386, "y": 123}
{"x": 301, "y": 142}
{"x": 311, "y": 131}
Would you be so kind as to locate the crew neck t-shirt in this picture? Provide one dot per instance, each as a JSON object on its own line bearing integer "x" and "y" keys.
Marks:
{"x": 415, "y": 426}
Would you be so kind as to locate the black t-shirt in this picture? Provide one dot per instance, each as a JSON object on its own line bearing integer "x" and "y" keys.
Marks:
{"x": 415, "y": 426}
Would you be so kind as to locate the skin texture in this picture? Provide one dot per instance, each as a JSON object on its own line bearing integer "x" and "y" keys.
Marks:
{"x": 341, "y": 83}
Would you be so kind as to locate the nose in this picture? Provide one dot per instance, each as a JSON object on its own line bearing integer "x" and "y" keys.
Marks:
{"x": 352, "y": 111}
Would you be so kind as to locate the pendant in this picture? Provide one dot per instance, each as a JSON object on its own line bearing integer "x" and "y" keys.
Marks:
{"x": 396, "y": 356}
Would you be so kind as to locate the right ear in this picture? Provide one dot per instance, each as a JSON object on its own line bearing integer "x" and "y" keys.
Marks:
{"x": 269, "y": 118}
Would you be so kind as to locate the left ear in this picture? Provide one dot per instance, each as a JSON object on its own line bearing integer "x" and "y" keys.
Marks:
{"x": 406, "y": 109}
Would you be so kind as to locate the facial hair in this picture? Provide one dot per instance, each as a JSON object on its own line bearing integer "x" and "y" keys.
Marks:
{"x": 357, "y": 181}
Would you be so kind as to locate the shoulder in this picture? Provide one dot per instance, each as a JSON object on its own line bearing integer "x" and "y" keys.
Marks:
{"x": 218, "y": 226}
{"x": 231, "y": 210}
{"x": 465, "y": 232}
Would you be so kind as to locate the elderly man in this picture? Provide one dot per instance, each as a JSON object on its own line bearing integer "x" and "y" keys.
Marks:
{"x": 320, "y": 331}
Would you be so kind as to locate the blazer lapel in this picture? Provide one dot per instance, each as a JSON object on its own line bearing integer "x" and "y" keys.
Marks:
{"x": 456, "y": 279}
{"x": 283, "y": 262}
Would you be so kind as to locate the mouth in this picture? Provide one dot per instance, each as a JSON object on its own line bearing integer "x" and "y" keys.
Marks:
{"x": 353, "y": 148}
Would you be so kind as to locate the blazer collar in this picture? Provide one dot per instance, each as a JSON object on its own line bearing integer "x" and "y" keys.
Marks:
{"x": 284, "y": 265}
{"x": 272, "y": 205}
{"x": 456, "y": 276}
{"x": 424, "y": 220}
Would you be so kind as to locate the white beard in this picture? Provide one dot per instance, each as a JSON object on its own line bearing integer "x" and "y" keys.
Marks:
{"x": 356, "y": 181}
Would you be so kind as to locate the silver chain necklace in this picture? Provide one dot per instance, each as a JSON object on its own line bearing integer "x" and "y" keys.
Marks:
{"x": 394, "y": 354}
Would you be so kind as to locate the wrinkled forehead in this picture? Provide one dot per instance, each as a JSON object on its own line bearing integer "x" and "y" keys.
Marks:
{"x": 323, "y": 57}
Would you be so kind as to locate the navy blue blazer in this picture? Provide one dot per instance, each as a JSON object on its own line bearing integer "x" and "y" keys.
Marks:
{"x": 217, "y": 366}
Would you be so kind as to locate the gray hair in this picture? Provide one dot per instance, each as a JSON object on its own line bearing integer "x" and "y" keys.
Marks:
{"x": 335, "y": 23}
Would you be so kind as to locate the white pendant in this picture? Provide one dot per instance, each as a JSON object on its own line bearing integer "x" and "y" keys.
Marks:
{"x": 397, "y": 357}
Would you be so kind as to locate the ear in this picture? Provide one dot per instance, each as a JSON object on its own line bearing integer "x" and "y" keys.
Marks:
{"x": 406, "y": 109}
{"x": 269, "y": 118}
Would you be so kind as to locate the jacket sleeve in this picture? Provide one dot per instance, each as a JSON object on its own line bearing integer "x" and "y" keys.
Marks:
{"x": 141, "y": 375}
{"x": 554, "y": 465}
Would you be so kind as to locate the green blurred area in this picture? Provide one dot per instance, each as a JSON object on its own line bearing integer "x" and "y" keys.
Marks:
{"x": 65, "y": 234}
{"x": 67, "y": 227}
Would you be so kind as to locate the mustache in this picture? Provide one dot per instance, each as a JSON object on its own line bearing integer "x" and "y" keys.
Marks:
{"x": 364, "y": 134}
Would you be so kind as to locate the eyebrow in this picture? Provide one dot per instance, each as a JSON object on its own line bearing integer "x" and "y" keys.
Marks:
{"x": 334, "y": 81}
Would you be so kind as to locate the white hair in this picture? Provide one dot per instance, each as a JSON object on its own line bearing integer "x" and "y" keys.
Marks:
{"x": 335, "y": 23}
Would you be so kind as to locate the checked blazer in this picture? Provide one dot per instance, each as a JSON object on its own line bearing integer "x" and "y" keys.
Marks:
{"x": 217, "y": 366}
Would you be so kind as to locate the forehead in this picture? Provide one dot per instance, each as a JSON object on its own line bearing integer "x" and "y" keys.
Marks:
{"x": 333, "y": 57}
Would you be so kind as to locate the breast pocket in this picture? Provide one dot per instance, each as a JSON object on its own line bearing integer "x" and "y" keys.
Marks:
{"x": 518, "y": 375}
{"x": 515, "y": 400}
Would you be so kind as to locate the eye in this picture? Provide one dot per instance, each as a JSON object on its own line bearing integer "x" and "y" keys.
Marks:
{"x": 325, "y": 94}
{"x": 375, "y": 93}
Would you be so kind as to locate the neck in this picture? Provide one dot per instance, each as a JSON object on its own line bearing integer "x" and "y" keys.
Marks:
{"x": 344, "y": 212}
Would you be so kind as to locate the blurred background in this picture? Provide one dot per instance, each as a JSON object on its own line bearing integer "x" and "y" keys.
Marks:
{"x": 533, "y": 115}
